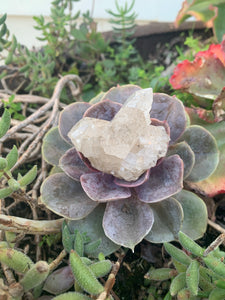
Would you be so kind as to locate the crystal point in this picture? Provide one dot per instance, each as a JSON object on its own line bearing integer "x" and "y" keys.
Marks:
{"x": 126, "y": 146}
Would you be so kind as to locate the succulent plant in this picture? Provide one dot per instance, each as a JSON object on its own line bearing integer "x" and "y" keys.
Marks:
{"x": 204, "y": 78}
{"x": 122, "y": 160}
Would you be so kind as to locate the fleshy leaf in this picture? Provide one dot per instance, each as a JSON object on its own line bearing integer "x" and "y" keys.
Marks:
{"x": 165, "y": 180}
{"x": 121, "y": 93}
{"x": 170, "y": 109}
{"x": 218, "y": 24}
{"x": 128, "y": 221}
{"x": 204, "y": 77}
{"x": 59, "y": 281}
{"x": 92, "y": 227}
{"x": 97, "y": 98}
{"x": 100, "y": 187}
{"x": 104, "y": 110}
{"x": 195, "y": 214}
{"x": 72, "y": 164}
{"x": 70, "y": 116}
{"x": 168, "y": 217}
{"x": 204, "y": 146}
{"x": 142, "y": 179}
{"x": 185, "y": 153}
{"x": 198, "y": 9}
{"x": 215, "y": 183}
{"x": 53, "y": 146}
{"x": 66, "y": 197}
{"x": 219, "y": 107}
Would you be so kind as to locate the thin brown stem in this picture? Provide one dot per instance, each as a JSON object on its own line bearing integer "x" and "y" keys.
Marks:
{"x": 18, "y": 225}
{"x": 54, "y": 264}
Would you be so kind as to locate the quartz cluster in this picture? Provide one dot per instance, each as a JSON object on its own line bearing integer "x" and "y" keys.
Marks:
{"x": 126, "y": 146}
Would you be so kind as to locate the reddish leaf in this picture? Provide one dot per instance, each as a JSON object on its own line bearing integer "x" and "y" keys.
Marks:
{"x": 100, "y": 187}
{"x": 204, "y": 76}
{"x": 219, "y": 107}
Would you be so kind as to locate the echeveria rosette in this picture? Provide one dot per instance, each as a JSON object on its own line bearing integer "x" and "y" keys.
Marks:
{"x": 120, "y": 211}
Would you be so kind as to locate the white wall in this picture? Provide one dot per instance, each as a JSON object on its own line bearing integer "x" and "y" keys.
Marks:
{"x": 21, "y": 24}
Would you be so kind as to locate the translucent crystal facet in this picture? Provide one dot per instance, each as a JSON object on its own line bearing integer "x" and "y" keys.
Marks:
{"x": 126, "y": 146}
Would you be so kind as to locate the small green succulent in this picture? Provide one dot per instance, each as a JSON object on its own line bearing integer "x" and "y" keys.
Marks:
{"x": 197, "y": 275}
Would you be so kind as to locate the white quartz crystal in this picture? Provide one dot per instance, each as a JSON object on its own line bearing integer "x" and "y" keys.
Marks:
{"x": 128, "y": 145}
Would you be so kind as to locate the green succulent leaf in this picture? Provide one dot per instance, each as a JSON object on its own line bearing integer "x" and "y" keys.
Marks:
{"x": 84, "y": 275}
{"x": 3, "y": 163}
{"x": 69, "y": 117}
{"x": 217, "y": 294}
{"x": 12, "y": 157}
{"x": 204, "y": 146}
{"x": 5, "y": 192}
{"x": 178, "y": 254}
{"x": 185, "y": 153}
{"x": 29, "y": 177}
{"x": 92, "y": 226}
{"x": 215, "y": 183}
{"x": 5, "y": 122}
{"x": 53, "y": 146}
{"x": 195, "y": 214}
{"x": 178, "y": 283}
{"x": 67, "y": 238}
{"x": 72, "y": 296}
{"x": 35, "y": 276}
{"x": 66, "y": 197}
{"x": 168, "y": 218}
{"x": 190, "y": 245}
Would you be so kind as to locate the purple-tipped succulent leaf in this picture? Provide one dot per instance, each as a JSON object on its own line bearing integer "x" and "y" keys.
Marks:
{"x": 70, "y": 116}
{"x": 142, "y": 179}
{"x": 66, "y": 197}
{"x": 121, "y": 93}
{"x": 168, "y": 218}
{"x": 165, "y": 180}
{"x": 170, "y": 109}
{"x": 185, "y": 153}
{"x": 128, "y": 221}
{"x": 101, "y": 188}
{"x": 205, "y": 149}
{"x": 73, "y": 165}
{"x": 104, "y": 110}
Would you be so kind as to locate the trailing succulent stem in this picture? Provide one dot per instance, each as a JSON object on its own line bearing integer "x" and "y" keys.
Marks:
{"x": 199, "y": 274}
{"x": 7, "y": 163}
